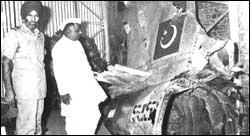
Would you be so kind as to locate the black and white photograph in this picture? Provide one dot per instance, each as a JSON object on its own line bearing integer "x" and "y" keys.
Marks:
{"x": 124, "y": 67}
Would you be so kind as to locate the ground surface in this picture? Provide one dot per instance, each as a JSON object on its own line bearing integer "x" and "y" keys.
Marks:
{"x": 56, "y": 125}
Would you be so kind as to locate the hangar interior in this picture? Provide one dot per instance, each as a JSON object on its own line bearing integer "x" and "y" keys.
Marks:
{"x": 167, "y": 67}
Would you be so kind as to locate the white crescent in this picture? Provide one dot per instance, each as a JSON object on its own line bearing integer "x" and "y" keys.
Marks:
{"x": 164, "y": 46}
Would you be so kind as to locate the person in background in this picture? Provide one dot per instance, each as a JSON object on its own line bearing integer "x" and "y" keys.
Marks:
{"x": 79, "y": 90}
{"x": 23, "y": 70}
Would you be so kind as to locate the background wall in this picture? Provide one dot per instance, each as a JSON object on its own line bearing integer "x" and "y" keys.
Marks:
{"x": 55, "y": 12}
{"x": 243, "y": 17}
{"x": 208, "y": 12}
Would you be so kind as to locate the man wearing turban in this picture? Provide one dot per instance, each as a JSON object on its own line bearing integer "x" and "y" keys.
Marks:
{"x": 23, "y": 70}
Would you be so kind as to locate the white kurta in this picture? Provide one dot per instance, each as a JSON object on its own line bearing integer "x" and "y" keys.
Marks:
{"x": 74, "y": 76}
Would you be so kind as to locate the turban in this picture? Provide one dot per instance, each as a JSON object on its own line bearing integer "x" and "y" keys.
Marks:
{"x": 28, "y": 6}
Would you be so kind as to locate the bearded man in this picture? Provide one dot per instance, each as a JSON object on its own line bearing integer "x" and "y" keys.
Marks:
{"x": 23, "y": 70}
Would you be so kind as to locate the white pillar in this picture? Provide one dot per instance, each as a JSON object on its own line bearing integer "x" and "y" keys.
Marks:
{"x": 105, "y": 6}
{"x": 233, "y": 20}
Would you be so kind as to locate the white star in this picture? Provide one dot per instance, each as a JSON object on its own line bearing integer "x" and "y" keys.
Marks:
{"x": 165, "y": 32}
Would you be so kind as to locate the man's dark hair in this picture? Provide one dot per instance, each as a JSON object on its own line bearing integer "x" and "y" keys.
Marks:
{"x": 67, "y": 28}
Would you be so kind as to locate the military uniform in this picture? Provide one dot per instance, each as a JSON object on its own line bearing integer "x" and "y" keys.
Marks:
{"x": 26, "y": 50}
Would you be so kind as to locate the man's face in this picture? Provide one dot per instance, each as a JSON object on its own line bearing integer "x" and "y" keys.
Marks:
{"x": 31, "y": 20}
{"x": 75, "y": 32}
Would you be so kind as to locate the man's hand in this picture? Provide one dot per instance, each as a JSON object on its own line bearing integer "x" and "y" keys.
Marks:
{"x": 10, "y": 97}
{"x": 66, "y": 99}
{"x": 7, "y": 79}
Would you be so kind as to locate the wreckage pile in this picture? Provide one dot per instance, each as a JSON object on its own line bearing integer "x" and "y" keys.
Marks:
{"x": 207, "y": 106}
{"x": 198, "y": 90}
{"x": 206, "y": 101}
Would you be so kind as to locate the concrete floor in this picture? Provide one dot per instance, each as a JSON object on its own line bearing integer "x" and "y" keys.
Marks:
{"x": 56, "y": 125}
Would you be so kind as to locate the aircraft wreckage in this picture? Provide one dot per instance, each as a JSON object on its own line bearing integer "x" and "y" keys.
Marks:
{"x": 193, "y": 91}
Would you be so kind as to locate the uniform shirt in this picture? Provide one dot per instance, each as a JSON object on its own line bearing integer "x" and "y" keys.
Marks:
{"x": 73, "y": 73}
{"x": 26, "y": 50}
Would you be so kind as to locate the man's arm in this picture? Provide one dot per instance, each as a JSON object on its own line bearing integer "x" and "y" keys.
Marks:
{"x": 7, "y": 70}
{"x": 60, "y": 74}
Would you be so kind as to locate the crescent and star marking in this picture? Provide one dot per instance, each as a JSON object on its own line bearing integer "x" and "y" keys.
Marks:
{"x": 164, "y": 46}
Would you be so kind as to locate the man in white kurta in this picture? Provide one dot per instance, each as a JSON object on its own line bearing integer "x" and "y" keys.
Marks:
{"x": 74, "y": 77}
